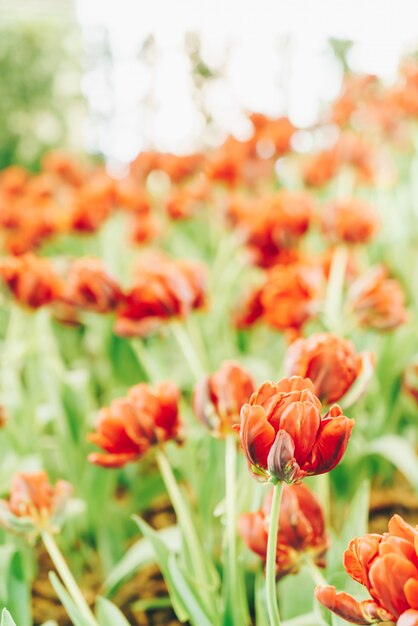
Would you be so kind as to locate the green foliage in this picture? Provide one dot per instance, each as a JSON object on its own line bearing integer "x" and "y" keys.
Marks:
{"x": 40, "y": 97}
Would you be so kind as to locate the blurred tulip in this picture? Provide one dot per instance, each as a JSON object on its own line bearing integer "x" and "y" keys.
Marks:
{"x": 351, "y": 221}
{"x": 90, "y": 287}
{"x": 217, "y": 400}
{"x": 127, "y": 429}
{"x": 377, "y": 301}
{"x": 34, "y": 505}
{"x": 284, "y": 436}
{"x": 410, "y": 379}
{"x": 163, "y": 288}
{"x": 301, "y": 533}
{"x": 291, "y": 295}
{"x": 32, "y": 280}
{"x": 329, "y": 361}
{"x": 387, "y": 565}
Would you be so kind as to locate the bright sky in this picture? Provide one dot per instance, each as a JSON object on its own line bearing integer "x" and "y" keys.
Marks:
{"x": 277, "y": 60}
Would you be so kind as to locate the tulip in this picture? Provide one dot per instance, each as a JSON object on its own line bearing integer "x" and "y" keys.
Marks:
{"x": 387, "y": 565}
{"x": 163, "y": 289}
{"x": 34, "y": 505}
{"x": 301, "y": 535}
{"x": 329, "y": 361}
{"x": 217, "y": 399}
{"x": 131, "y": 426}
{"x": 351, "y": 221}
{"x": 377, "y": 301}
{"x": 90, "y": 287}
{"x": 284, "y": 436}
{"x": 31, "y": 279}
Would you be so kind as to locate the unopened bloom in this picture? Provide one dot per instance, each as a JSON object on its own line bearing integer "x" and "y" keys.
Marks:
{"x": 301, "y": 535}
{"x": 217, "y": 400}
{"x": 131, "y": 426}
{"x": 284, "y": 436}
{"x": 31, "y": 279}
{"x": 377, "y": 301}
{"x": 34, "y": 504}
{"x": 387, "y": 565}
{"x": 329, "y": 361}
{"x": 163, "y": 288}
{"x": 90, "y": 287}
{"x": 350, "y": 221}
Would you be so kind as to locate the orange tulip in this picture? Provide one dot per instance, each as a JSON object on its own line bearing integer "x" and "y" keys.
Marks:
{"x": 377, "y": 301}
{"x": 350, "y": 221}
{"x": 34, "y": 505}
{"x": 218, "y": 399}
{"x": 284, "y": 436}
{"x": 127, "y": 429}
{"x": 291, "y": 294}
{"x": 328, "y": 360}
{"x": 31, "y": 279}
{"x": 301, "y": 533}
{"x": 387, "y": 565}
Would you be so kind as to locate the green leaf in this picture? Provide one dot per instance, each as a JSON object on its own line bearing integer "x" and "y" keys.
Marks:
{"x": 73, "y": 611}
{"x": 357, "y": 520}
{"x": 18, "y": 591}
{"x": 163, "y": 554}
{"x": 189, "y": 594}
{"x": 140, "y": 554}
{"x": 398, "y": 451}
{"x": 108, "y": 614}
{"x": 6, "y": 619}
{"x": 261, "y": 614}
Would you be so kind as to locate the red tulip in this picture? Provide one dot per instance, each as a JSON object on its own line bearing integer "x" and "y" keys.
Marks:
{"x": 127, "y": 429}
{"x": 90, "y": 287}
{"x": 31, "y": 279}
{"x": 218, "y": 399}
{"x": 163, "y": 288}
{"x": 301, "y": 529}
{"x": 284, "y": 436}
{"x": 387, "y": 565}
{"x": 329, "y": 361}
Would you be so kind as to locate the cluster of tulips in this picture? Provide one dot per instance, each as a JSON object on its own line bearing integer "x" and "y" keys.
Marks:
{"x": 140, "y": 316}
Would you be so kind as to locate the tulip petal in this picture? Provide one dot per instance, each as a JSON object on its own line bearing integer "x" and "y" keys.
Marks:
{"x": 411, "y": 592}
{"x": 345, "y": 606}
{"x": 409, "y": 618}
{"x": 111, "y": 460}
{"x": 281, "y": 461}
{"x": 257, "y": 435}
{"x": 302, "y": 421}
{"x": 331, "y": 443}
{"x": 388, "y": 576}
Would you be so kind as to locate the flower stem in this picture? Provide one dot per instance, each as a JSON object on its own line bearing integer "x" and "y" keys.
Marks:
{"x": 144, "y": 361}
{"x": 235, "y": 602}
{"x": 183, "y": 516}
{"x": 188, "y": 350}
{"x": 67, "y": 577}
{"x": 272, "y": 606}
{"x": 316, "y": 574}
{"x": 335, "y": 288}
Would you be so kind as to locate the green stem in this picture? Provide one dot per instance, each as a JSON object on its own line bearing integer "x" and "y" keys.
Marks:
{"x": 144, "y": 360}
{"x": 188, "y": 349}
{"x": 324, "y": 494}
{"x": 183, "y": 516}
{"x": 272, "y": 605}
{"x": 238, "y": 612}
{"x": 335, "y": 288}
{"x": 316, "y": 574}
{"x": 67, "y": 577}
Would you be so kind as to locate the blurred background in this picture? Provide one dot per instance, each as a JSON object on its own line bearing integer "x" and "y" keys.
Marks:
{"x": 116, "y": 77}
